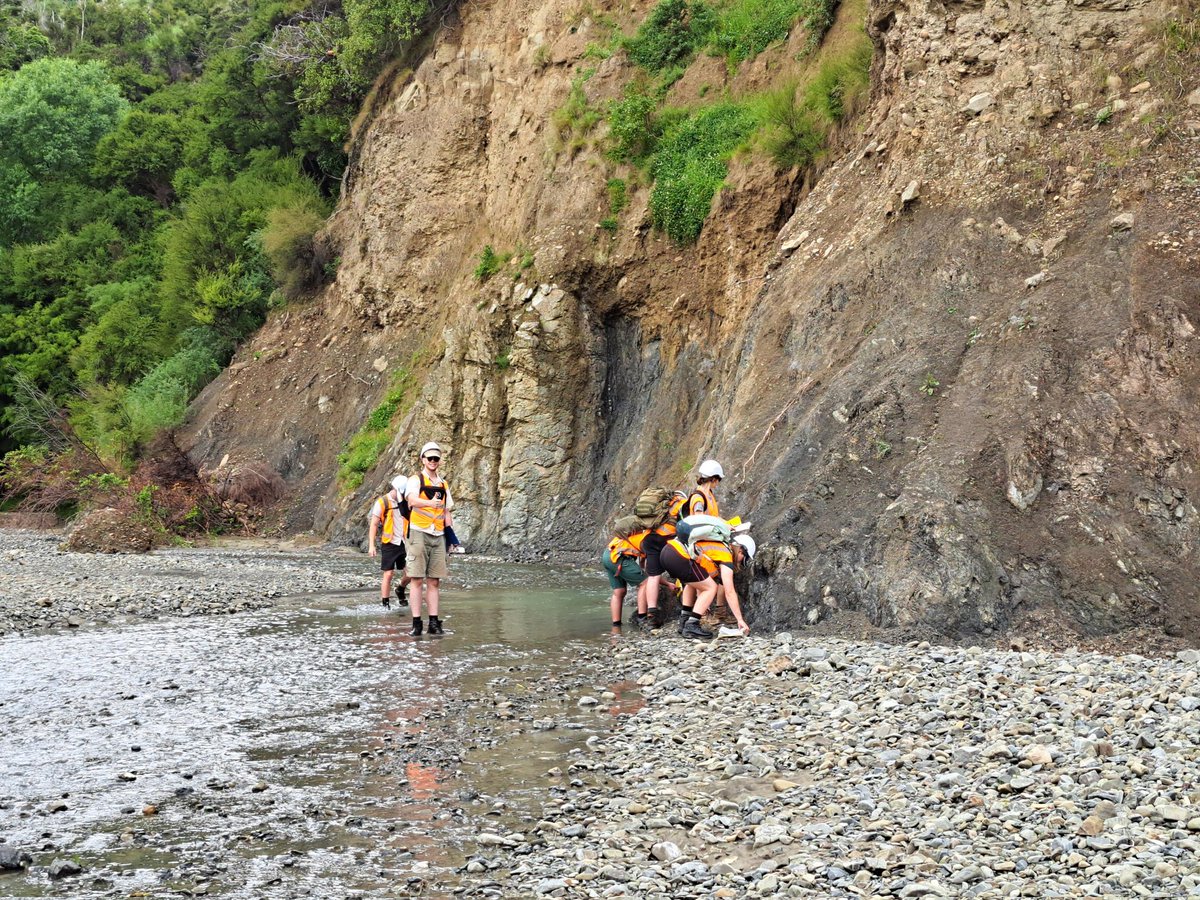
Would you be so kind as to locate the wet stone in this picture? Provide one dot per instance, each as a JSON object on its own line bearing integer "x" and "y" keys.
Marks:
{"x": 64, "y": 868}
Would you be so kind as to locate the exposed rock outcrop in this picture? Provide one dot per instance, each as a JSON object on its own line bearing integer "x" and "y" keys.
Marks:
{"x": 948, "y": 389}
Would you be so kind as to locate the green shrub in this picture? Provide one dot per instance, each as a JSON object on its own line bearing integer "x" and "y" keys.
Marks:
{"x": 793, "y": 136}
{"x": 297, "y": 262}
{"x": 631, "y": 124}
{"x": 841, "y": 84}
{"x": 691, "y": 164}
{"x": 576, "y": 118}
{"x": 618, "y": 197}
{"x": 490, "y": 262}
{"x": 363, "y": 450}
{"x": 671, "y": 35}
{"x": 748, "y": 27}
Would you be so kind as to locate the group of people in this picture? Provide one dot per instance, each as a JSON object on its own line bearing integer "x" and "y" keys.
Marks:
{"x": 680, "y": 541}
{"x": 688, "y": 545}
{"x": 414, "y": 524}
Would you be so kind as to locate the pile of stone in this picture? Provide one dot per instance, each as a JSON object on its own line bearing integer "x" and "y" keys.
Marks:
{"x": 783, "y": 767}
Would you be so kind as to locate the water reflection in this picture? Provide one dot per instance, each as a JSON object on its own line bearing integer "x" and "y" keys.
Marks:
{"x": 283, "y": 748}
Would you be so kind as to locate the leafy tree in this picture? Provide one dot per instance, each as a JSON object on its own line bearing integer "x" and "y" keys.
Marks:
{"x": 52, "y": 113}
{"x": 21, "y": 42}
{"x": 143, "y": 153}
{"x": 126, "y": 340}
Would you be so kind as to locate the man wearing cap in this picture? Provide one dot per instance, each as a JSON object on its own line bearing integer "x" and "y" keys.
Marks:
{"x": 430, "y": 504}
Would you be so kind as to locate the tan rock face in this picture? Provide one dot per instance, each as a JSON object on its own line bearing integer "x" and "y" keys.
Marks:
{"x": 913, "y": 427}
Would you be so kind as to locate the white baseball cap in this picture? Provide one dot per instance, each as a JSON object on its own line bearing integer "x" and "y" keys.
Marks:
{"x": 747, "y": 543}
{"x": 431, "y": 446}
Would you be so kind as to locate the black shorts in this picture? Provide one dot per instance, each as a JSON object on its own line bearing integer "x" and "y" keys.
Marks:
{"x": 679, "y": 566}
{"x": 392, "y": 556}
{"x": 652, "y": 545}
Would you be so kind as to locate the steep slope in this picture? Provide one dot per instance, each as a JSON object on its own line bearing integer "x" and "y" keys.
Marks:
{"x": 950, "y": 382}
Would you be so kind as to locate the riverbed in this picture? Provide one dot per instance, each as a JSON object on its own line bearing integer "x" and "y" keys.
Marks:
{"x": 313, "y": 748}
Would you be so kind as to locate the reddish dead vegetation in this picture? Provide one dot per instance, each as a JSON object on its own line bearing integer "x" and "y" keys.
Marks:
{"x": 164, "y": 492}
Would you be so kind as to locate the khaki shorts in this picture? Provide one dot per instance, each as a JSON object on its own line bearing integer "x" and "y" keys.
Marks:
{"x": 426, "y": 555}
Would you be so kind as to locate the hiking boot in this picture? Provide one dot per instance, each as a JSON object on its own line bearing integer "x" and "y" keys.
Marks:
{"x": 386, "y": 602}
{"x": 402, "y": 594}
{"x": 634, "y": 618}
{"x": 693, "y": 629}
{"x": 646, "y": 623}
{"x": 417, "y": 628}
{"x": 435, "y": 626}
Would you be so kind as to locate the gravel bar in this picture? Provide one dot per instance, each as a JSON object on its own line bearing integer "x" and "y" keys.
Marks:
{"x": 44, "y": 586}
{"x": 776, "y": 766}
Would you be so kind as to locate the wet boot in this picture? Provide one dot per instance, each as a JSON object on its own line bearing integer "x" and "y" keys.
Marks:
{"x": 401, "y": 594}
{"x": 684, "y": 615}
{"x": 435, "y": 625}
{"x": 386, "y": 602}
{"x": 417, "y": 628}
{"x": 693, "y": 629}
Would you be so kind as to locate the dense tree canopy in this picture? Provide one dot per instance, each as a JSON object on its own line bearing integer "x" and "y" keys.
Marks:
{"x": 164, "y": 166}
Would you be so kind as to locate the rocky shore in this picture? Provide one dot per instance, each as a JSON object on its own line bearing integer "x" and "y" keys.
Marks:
{"x": 44, "y": 586}
{"x": 777, "y": 766}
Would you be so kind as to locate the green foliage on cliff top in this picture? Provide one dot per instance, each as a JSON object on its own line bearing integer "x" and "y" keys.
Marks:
{"x": 686, "y": 151}
{"x": 676, "y": 30}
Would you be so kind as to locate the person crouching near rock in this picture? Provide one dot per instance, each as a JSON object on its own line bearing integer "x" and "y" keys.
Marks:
{"x": 700, "y": 569}
{"x": 620, "y": 560}
{"x": 430, "y": 505}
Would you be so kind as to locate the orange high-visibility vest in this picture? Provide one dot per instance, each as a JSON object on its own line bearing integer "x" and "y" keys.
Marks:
{"x": 423, "y": 518}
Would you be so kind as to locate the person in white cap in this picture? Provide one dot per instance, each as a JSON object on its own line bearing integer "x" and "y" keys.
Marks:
{"x": 430, "y": 505}
{"x": 707, "y": 567}
{"x": 702, "y": 500}
{"x": 389, "y": 520}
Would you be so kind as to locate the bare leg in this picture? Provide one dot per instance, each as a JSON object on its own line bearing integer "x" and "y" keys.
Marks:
{"x": 706, "y": 593}
{"x": 433, "y": 594}
{"x": 689, "y": 596}
{"x": 615, "y": 602}
{"x": 386, "y": 589}
{"x": 641, "y": 599}
{"x": 651, "y": 600}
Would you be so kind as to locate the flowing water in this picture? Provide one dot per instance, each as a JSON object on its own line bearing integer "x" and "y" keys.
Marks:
{"x": 315, "y": 749}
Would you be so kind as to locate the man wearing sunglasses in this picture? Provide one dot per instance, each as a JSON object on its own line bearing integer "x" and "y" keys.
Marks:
{"x": 430, "y": 503}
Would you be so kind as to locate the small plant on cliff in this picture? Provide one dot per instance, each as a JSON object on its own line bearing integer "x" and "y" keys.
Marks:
{"x": 793, "y": 138}
{"x": 504, "y": 359}
{"x": 490, "y": 262}
{"x": 632, "y": 124}
{"x": 930, "y": 385}
{"x": 363, "y": 450}
{"x": 748, "y": 27}
{"x": 841, "y": 84}
{"x": 576, "y": 118}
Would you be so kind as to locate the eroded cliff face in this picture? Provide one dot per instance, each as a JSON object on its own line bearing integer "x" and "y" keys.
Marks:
{"x": 951, "y": 382}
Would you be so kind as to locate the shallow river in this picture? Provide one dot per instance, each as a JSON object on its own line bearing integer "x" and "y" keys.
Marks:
{"x": 315, "y": 749}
